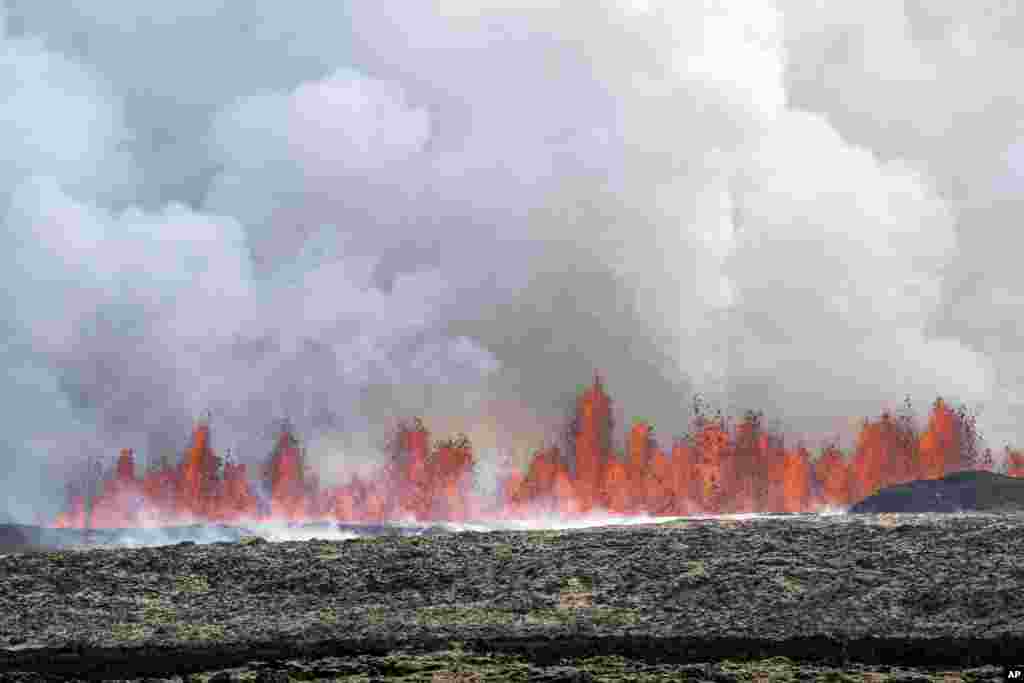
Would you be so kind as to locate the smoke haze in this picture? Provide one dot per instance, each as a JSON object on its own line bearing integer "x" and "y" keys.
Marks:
{"x": 343, "y": 215}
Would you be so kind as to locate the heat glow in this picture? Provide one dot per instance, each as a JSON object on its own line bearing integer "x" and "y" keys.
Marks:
{"x": 715, "y": 470}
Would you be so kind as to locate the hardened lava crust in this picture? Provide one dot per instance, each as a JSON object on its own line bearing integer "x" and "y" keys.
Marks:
{"x": 973, "y": 491}
{"x": 831, "y": 597}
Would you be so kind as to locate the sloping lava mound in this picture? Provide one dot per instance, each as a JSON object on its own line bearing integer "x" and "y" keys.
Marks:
{"x": 834, "y": 591}
{"x": 963, "y": 491}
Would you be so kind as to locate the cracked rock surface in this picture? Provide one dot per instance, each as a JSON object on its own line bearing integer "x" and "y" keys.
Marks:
{"x": 904, "y": 597}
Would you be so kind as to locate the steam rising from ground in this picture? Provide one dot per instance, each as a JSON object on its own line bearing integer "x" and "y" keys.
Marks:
{"x": 286, "y": 533}
{"x": 460, "y": 210}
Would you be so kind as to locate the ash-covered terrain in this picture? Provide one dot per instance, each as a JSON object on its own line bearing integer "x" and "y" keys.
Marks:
{"x": 808, "y": 597}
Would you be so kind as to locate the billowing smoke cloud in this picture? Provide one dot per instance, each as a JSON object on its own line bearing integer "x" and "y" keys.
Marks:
{"x": 343, "y": 215}
{"x": 922, "y": 82}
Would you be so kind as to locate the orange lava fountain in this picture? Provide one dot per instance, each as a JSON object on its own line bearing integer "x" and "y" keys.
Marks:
{"x": 714, "y": 470}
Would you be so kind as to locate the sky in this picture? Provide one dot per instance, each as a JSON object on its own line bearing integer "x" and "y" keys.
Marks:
{"x": 348, "y": 213}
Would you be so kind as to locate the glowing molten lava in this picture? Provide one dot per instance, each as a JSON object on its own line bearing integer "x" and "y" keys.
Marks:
{"x": 714, "y": 470}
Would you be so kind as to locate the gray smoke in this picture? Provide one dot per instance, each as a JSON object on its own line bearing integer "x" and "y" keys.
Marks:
{"x": 342, "y": 215}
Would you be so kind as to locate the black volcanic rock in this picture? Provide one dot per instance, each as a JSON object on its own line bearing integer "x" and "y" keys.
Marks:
{"x": 960, "y": 492}
{"x": 24, "y": 537}
{"x": 803, "y": 597}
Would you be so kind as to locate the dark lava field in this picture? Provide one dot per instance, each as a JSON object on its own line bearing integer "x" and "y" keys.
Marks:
{"x": 873, "y": 597}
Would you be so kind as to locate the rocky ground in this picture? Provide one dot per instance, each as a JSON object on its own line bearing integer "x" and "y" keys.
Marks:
{"x": 835, "y": 598}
